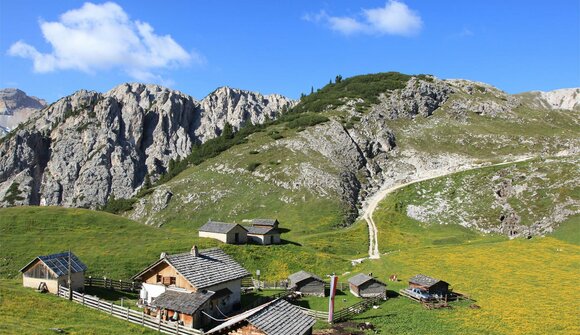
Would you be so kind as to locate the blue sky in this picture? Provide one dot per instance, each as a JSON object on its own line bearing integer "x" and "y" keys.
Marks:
{"x": 52, "y": 48}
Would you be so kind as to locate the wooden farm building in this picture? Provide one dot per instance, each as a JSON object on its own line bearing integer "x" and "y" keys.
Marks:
{"x": 230, "y": 233}
{"x": 264, "y": 235}
{"x": 50, "y": 271}
{"x": 365, "y": 286}
{"x": 430, "y": 285}
{"x": 265, "y": 223}
{"x": 188, "y": 286}
{"x": 307, "y": 284}
{"x": 277, "y": 317}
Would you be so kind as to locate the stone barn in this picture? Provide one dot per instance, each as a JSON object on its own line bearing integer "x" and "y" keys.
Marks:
{"x": 263, "y": 235}
{"x": 307, "y": 284}
{"x": 365, "y": 286}
{"x": 265, "y": 223}
{"x": 429, "y": 284}
{"x": 50, "y": 271}
{"x": 277, "y": 317}
{"x": 230, "y": 233}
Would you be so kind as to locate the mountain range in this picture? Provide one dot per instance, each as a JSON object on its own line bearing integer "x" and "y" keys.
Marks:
{"x": 327, "y": 153}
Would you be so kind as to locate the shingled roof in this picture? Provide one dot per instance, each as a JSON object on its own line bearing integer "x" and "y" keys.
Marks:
{"x": 58, "y": 263}
{"x": 265, "y": 222}
{"x": 183, "y": 302}
{"x": 261, "y": 230}
{"x": 277, "y": 317}
{"x": 302, "y": 275}
{"x": 212, "y": 266}
{"x": 218, "y": 227}
{"x": 361, "y": 278}
{"x": 424, "y": 280}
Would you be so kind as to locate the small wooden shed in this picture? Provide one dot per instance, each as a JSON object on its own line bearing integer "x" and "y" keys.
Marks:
{"x": 365, "y": 286}
{"x": 230, "y": 233}
{"x": 429, "y": 284}
{"x": 50, "y": 271}
{"x": 307, "y": 284}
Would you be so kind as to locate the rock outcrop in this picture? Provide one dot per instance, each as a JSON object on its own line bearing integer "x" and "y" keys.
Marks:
{"x": 16, "y": 107}
{"x": 89, "y": 146}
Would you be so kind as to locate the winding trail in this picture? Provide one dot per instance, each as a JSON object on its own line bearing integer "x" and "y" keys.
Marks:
{"x": 373, "y": 201}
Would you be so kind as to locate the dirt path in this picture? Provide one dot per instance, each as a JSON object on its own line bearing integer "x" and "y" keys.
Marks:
{"x": 373, "y": 201}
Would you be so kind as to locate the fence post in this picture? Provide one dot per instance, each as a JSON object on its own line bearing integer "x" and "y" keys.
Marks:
{"x": 159, "y": 322}
{"x": 142, "y": 318}
{"x": 111, "y": 308}
{"x": 177, "y": 328}
{"x": 83, "y": 299}
{"x": 127, "y": 313}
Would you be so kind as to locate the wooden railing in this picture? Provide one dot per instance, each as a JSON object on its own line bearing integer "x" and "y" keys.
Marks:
{"x": 128, "y": 314}
{"x": 347, "y": 312}
{"x": 119, "y": 285}
{"x": 319, "y": 315}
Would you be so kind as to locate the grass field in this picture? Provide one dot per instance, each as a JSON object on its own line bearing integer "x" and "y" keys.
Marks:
{"x": 23, "y": 311}
{"x": 522, "y": 286}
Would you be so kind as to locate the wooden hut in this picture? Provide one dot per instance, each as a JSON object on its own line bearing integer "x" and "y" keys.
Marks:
{"x": 195, "y": 271}
{"x": 307, "y": 284}
{"x": 230, "y": 233}
{"x": 365, "y": 286}
{"x": 50, "y": 271}
{"x": 277, "y": 317}
{"x": 429, "y": 284}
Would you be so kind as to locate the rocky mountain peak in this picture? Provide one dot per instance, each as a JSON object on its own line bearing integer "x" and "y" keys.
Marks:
{"x": 16, "y": 107}
{"x": 89, "y": 146}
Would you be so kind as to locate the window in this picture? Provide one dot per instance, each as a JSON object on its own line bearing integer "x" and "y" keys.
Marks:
{"x": 172, "y": 280}
{"x": 158, "y": 279}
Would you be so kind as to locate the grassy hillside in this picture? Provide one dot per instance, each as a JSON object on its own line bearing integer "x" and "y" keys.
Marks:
{"x": 23, "y": 311}
{"x": 436, "y": 211}
{"x": 116, "y": 247}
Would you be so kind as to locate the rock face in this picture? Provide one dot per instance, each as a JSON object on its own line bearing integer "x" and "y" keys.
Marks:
{"x": 89, "y": 146}
{"x": 16, "y": 107}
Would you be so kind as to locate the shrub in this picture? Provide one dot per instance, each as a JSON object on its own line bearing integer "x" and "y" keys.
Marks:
{"x": 253, "y": 166}
{"x": 254, "y": 152}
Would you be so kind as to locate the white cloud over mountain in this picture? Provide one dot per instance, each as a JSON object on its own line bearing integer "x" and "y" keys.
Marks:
{"x": 395, "y": 18}
{"x": 103, "y": 37}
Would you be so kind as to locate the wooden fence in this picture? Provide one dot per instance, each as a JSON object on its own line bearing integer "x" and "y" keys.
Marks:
{"x": 320, "y": 315}
{"x": 346, "y": 313}
{"x": 128, "y": 314}
{"x": 119, "y": 285}
{"x": 282, "y": 284}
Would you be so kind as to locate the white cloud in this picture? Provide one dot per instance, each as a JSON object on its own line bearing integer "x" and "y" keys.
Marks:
{"x": 395, "y": 18}
{"x": 102, "y": 37}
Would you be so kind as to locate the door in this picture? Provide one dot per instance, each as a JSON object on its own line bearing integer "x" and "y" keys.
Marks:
{"x": 237, "y": 238}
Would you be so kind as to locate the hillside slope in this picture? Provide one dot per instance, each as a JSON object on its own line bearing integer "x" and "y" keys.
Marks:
{"x": 386, "y": 130}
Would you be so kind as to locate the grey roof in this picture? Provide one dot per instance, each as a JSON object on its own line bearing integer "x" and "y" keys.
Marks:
{"x": 58, "y": 263}
{"x": 302, "y": 275}
{"x": 361, "y": 278}
{"x": 183, "y": 302}
{"x": 277, "y": 317}
{"x": 261, "y": 230}
{"x": 218, "y": 227}
{"x": 212, "y": 266}
{"x": 264, "y": 222}
{"x": 424, "y": 280}
{"x": 282, "y": 318}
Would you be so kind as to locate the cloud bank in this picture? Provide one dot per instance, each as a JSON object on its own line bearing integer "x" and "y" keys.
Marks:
{"x": 395, "y": 18}
{"x": 103, "y": 37}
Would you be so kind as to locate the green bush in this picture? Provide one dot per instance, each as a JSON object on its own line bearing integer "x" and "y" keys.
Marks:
{"x": 253, "y": 166}
{"x": 116, "y": 206}
{"x": 307, "y": 120}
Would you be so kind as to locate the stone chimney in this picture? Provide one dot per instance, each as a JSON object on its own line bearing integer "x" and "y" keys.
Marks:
{"x": 163, "y": 254}
{"x": 195, "y": 251}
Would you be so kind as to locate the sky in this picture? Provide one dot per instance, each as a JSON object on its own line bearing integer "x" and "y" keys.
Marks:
{"x": 50, "y": 49}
